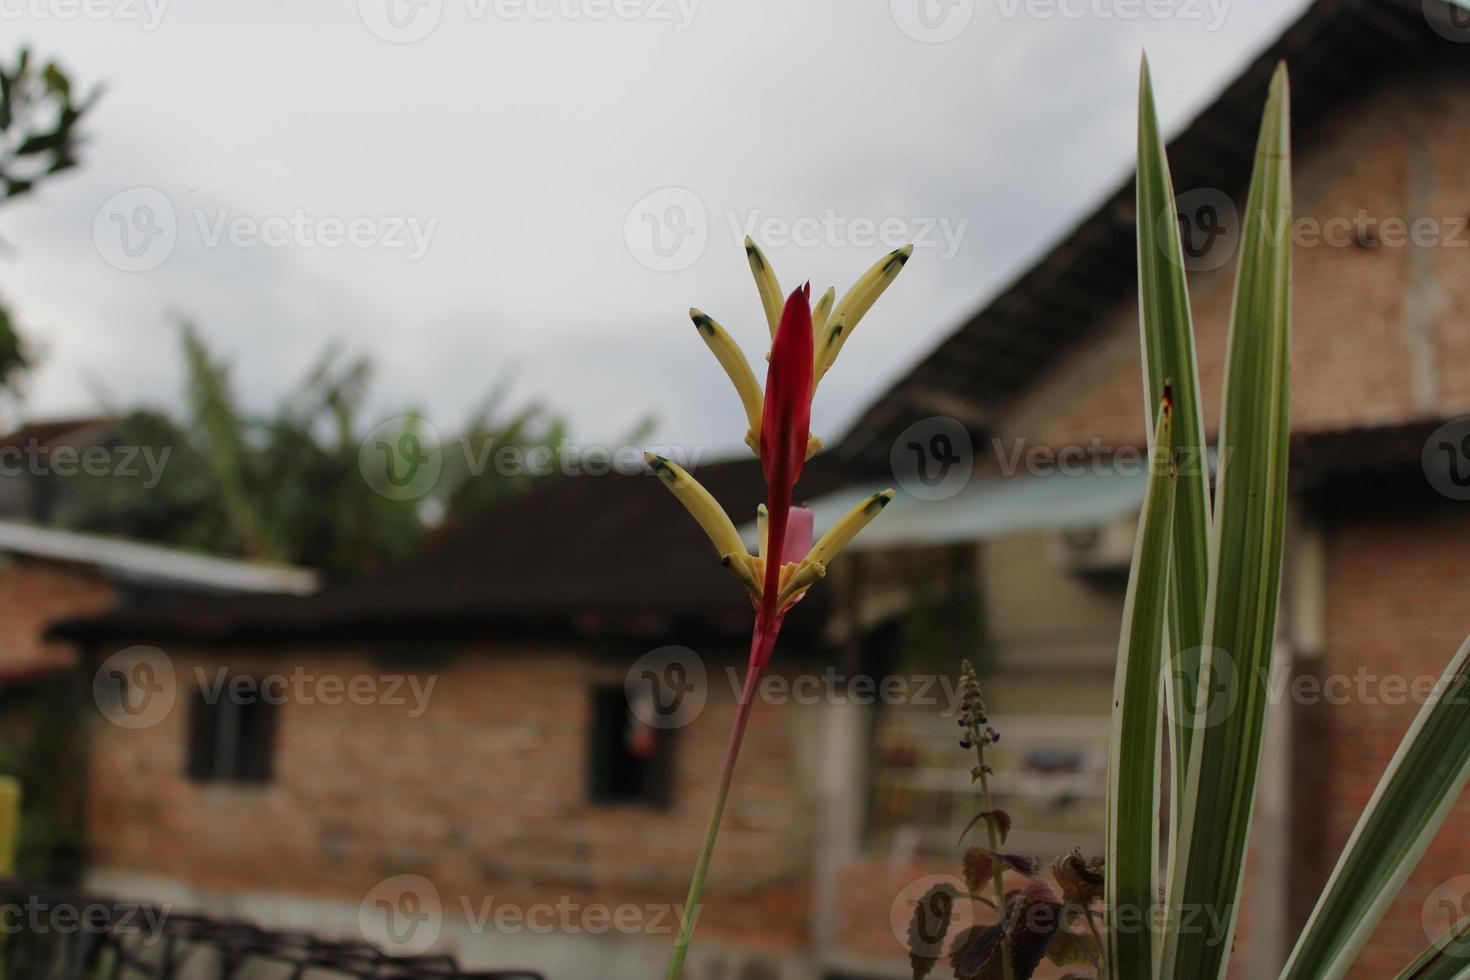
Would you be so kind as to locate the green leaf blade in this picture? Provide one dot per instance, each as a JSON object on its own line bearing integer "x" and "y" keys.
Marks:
{"x": 1208, "y": 862}
{"x": 1167, "y": 336}
{"x": 1447, "y": 958}
{"x": 1131, "y": 880}
{"x": 1415, "y": 794}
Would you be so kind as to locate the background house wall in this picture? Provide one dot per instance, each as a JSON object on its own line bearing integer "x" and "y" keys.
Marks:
{"x": 1380, "y": 337}
{"x": 1378, "y": 334}
{"x": 35, "y": 593}
{"x": 485, "y": 794}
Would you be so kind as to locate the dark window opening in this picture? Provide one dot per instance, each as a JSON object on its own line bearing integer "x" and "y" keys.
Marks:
{"x": 628, "y": 761}
{"x": 230, "y": 739}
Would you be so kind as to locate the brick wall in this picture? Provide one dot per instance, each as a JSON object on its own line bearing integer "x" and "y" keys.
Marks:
{"x": 485, "y": 794}
{"x": 35, "y": 594}
{"x": 1379, "y": 334}
{"x": 1399, "y": 606}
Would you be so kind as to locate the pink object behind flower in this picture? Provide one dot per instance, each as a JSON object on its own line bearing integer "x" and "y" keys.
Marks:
{"x": 798, "y": 535}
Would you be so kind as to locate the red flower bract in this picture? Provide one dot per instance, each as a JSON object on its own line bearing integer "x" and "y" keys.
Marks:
{"x": 785, "y": 430}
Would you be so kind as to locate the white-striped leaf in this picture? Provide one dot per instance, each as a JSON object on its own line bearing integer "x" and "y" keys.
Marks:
{"x": 1132, "y": 865}
{"x": 1413, "y": 798}
{"x": 1208, "y": 860}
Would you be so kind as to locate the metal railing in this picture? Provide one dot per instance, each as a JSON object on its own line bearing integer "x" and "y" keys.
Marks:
{"x": 50, "y": 933}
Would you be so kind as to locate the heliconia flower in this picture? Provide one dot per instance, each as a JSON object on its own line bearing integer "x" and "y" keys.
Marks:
{"x": 804, "y": 343}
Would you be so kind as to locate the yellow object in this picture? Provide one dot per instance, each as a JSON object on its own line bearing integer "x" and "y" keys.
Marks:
{"x": 772, "y": 300}
{"x": 9, "y": 823}
{"x": 854, "y": 305}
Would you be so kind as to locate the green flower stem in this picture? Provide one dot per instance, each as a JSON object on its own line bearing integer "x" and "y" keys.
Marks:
{"x": 999, "y": 875}
{"x": 732, "y": 752}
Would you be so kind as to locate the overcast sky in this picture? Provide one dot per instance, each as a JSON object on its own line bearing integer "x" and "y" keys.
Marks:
{"x": 473, "y": 189}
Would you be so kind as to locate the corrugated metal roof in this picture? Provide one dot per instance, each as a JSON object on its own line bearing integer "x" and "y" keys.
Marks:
{"x": 153, "y": 563}
{"x": 987, "y": 508}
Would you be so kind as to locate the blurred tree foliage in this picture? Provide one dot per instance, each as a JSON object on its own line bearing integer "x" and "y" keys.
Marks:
{"x": 40, "y": 740}
{"x": 38, "y": 137}
{"x": 290, "y": 486}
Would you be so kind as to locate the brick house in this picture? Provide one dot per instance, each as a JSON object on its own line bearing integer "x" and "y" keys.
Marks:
{"x": 518, "y": 781}
{"x": 49, "y": 574}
